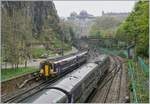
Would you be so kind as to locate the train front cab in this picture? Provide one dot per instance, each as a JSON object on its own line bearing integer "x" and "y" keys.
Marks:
{"x": 47, "y": 69}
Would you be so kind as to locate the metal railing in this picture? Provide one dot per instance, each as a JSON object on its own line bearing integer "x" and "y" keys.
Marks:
{"x": 138, "y": 73}
{"x": 133, "y": 83}
{"x": 143, "y": 66}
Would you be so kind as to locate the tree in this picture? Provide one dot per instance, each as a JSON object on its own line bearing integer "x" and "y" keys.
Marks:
{"x": 104, "y": 26}
{"x": 24, "y": 22}
{"x": 135, "y": 29}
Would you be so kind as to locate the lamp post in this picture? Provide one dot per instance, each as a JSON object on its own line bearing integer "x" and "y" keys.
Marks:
{"x": 62, "y": 42}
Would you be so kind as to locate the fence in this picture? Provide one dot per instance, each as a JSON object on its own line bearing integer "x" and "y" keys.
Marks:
{"x": 133, "y": 83}
{"x": 138, "y": 73}
{"x": 111, "y": 51}
{"x": 143, "y": 66}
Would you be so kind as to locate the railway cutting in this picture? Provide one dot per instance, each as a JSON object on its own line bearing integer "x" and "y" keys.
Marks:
{"x": 51, "y": 54}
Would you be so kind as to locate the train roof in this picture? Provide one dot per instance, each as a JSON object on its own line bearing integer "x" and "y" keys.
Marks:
{"x": 71, "y": 57}
{"x": 45, "y": 96}
{"x": 66, "y": 57}
{"x": 71, "y": 80}
{"x": 67, "y": 83}
{"x": 103, "y": 57}
{"x": 61, "y": 57}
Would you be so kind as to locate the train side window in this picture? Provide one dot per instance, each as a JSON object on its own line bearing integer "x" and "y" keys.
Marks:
{"x": 54, "y": 67}
{"x": 42, "y": 65}
{"x": 77, "y": 93}
{"x": 50, "y": 65}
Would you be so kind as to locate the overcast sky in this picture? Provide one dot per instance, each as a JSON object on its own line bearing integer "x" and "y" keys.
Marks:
{"x": 64, "y": 8}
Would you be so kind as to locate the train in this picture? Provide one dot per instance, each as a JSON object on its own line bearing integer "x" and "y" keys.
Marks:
{"x": 60, "y": 65}
{"x": 75, "y": 87}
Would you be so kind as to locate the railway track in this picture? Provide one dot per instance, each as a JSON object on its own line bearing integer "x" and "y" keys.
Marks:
{"x": 18, "y": 86}
{"x": 113, "y": 93}
{"x": 18, "y": 97}
{"x": 101, "y": 94}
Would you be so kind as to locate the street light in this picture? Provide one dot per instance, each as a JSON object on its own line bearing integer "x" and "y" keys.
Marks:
{"x": 62, "y": 42}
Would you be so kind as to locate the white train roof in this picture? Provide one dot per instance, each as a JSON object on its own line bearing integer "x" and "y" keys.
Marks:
{"x": 103, "y": 57}
{"x": 71, "y": 80}
{"x": 69, "y": 58}
{"x": 67, "y": 83}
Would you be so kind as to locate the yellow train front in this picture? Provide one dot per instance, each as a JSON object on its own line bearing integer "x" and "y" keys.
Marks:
{"x": 47, "y": 69}
{"x": 61, "y": 65}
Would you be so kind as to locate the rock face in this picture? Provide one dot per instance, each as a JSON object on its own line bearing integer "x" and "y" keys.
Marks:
{"x": 42, "y": 23}
{"x": 43, "y": 11}
{"x": 25, "y": 23}
{"x": 38, "y": 10}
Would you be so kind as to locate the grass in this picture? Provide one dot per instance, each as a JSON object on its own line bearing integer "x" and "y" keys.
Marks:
{"x": 37, "y": 52}
{"x": 57, "y": 43}
{"x": 10, "y": 73}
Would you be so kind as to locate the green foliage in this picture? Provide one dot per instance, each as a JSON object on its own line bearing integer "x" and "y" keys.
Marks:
{"x": 104, "y": 26}
{"x": 57, "y": 43}
{"x": 15, "y": 37}
{"x": 10, "y": 73}
{"x": 66, "y": 30}
{"x": 25, "y": 22}
{"x": 135, "y": 28}
{"x": 37, "y": 52}
{"x": 70, "y": 31}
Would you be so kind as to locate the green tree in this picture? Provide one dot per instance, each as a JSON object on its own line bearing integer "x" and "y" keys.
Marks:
{"x": 104, "y": 26}
{"x": 24, "y": 22}
{"x": 135, "y": 28}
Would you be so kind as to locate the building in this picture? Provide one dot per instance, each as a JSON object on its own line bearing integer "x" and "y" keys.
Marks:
{"x": 118, "y": 15}
{"x": 83, "y": 18}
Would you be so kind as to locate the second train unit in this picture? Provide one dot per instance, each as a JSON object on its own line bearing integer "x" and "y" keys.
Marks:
{"x": 57, "y": 66}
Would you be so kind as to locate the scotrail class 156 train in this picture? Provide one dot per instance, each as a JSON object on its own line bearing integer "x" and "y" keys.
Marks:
{"x": 57, "y": 66}
{"x": 75, "y": 87}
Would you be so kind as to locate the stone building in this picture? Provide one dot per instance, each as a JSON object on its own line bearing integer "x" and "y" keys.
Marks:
{"x": 83, "y": 18}
{"x": 118, "y": 15}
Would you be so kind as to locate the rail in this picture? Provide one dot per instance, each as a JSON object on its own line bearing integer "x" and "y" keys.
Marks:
{"x": 116, "y": 71}
{"x": 106, "y": 83}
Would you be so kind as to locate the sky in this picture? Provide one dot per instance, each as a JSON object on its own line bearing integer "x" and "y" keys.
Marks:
{"x": 64, "y": 8}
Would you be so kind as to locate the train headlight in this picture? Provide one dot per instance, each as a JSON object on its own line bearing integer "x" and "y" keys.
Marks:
{"x": 41, "y": 71}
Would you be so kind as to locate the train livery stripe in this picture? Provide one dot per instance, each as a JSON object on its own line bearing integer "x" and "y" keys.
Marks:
{"x": 46, "y": 70}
